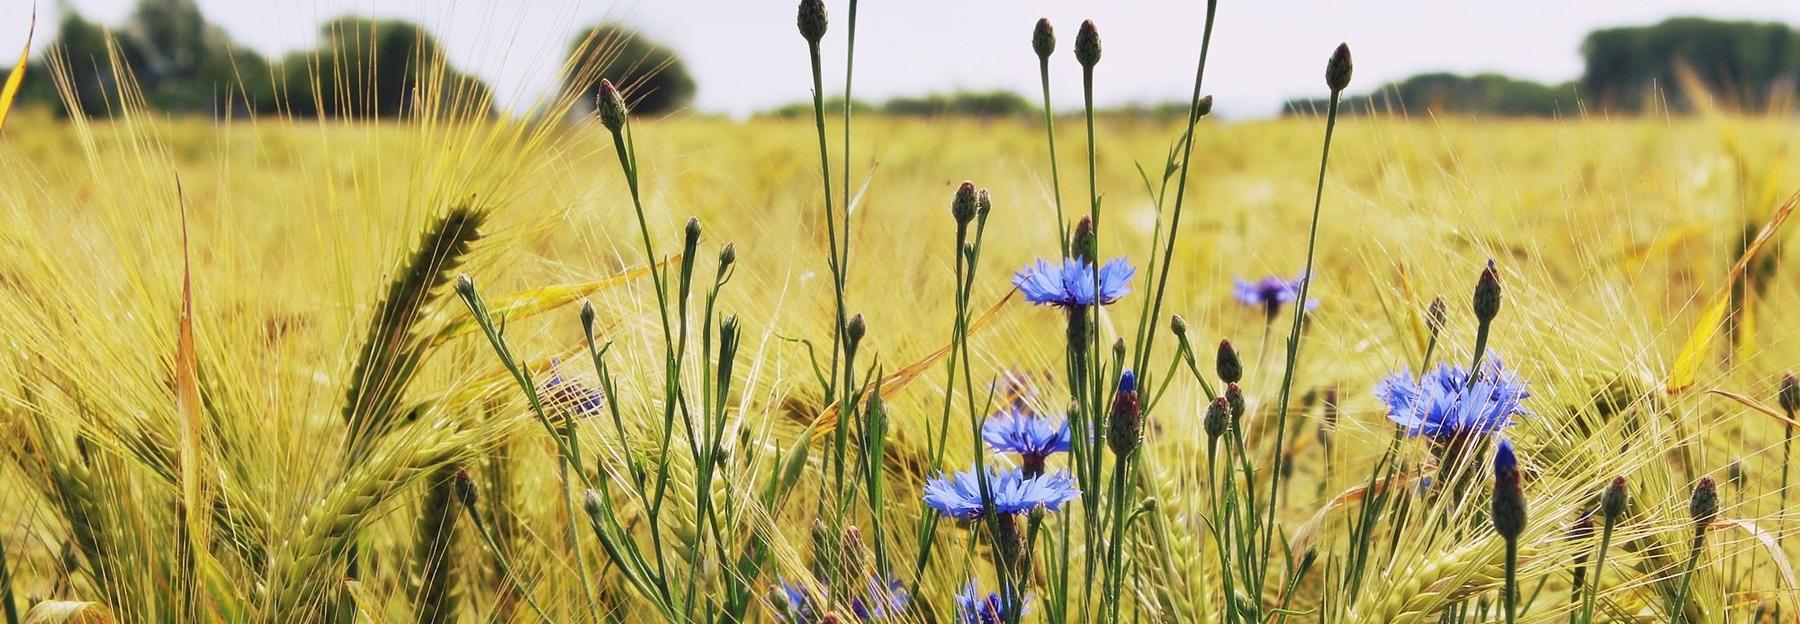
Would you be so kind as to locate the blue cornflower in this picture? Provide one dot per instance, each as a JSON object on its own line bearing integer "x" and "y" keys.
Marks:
{"x": 574, "y": 396}
{"x": 1442, "y": 405}
{"x": 1033, "y": 437}
{"x": 1272, "y": 292}
{"x": 1071, "y": 285}
{"x": 974, "y": 608}
{"x": 959, "y": 495}
{"x": 881, "y": 601}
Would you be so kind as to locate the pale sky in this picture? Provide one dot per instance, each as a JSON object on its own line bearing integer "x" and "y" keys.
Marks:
{"x": 746, "y": 55}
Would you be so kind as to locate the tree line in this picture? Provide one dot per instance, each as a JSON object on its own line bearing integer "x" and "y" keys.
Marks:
{"x": 1750, "y": 66}
{"x": 180, "y": 64}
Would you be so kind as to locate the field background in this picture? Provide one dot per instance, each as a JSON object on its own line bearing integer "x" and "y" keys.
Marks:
{"x": 1611, "y": 234}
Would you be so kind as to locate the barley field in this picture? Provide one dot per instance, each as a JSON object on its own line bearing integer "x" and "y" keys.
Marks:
{"x": 454, "y": 369}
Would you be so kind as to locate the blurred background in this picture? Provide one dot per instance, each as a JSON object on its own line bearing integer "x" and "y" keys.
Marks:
{"x": 224, "y": 58}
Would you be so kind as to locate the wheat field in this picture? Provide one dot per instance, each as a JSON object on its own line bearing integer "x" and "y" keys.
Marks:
{"x": 244, "y": 381}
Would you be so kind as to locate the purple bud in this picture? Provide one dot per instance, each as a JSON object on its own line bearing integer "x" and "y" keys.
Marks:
{"x": 1087, "y": 45}
{"x": 1043, "y": 38}
{"x": 1338, "y": 70}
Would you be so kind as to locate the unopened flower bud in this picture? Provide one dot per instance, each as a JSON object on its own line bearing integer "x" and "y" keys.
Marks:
{"x": 1178, "y": 326}
{"x": 690, "y": 237}
{"x": 1612, "y": 502}
{"x": 1118, "y": 350}
{"x": 1043, "y": 38}
{"x": 1125, "y": 430}
{"x": 1081, "y": 245}
{"x": 963, "y": 207}
{"x": 1790, "y": 395}
{"x": 1338, "y": 70}
{"x": 1204, "y": 107}
{"x": 1487, "y": 294}
{"x": 1509, "y": 495}
{"x": 1217, "y": 414}
{"x": 463, "y": 486}
{"x": 1234, "y": 398}
{"x": 811, "y": 20}
{"x": 984, "y": 204}
{"x": 853, "y": 549}
{"x": 1704, "y": 506}
{"x": 854, "y": 329}
{"x": 1228, "y": 365}
{"x": 592, "y": 504}
{"x": 587, "y": 317}
{"x": 1087, "y": 45}
{"x": 611, "y": 106}
{"x": 1435, "y": 317}
{"x": 465, "y": 285}
{"x": 727, "y": 256}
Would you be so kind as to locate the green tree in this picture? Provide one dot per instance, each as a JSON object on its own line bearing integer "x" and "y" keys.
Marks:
{"x": 377, "y": 68}
{"x": 1744, "y": 63}
{"x": 652, "y": 76}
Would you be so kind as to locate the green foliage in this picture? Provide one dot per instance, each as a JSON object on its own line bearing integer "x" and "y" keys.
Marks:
{"x": 977, "y": 104}
{"x": 186, "y": 66}
{"x": 1443, "y": 93}
{"x": 377, "y": 68}
{"x": 1750, "y": 64}
{"x": 653, "y": 77}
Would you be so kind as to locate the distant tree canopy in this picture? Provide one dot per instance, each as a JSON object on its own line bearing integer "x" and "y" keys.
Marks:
{"x": 1746, "y": 63}
{"x": 653, "y": 77}
{"x": 377, "y": 68}
{"x": 981, "y": 104}
{"x": 185, "y": 66}
{"x": 1441, "y": 93}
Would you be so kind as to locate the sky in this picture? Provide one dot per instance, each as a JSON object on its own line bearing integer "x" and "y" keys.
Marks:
{"x": 746, "y": 55}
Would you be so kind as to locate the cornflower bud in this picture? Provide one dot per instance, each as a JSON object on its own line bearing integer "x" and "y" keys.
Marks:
{"x": 1612, "y": 502}
{"x": 1338, "y": 70}
{"x": 1228, "y": 365}
{"x": 1487, "y": 294}
{"x": 1204, "y": 108}
{"x": 1435, "y": 317}
{"x": 962, "y": 206}
{"x": 587, "y": 316}
{"x": 854, "y": 329}
{"x": 611, "y": 106}
{"x": 1234, "y": 396}
{"x": 1178, "y": 326}
{"x": 984, "y": 203}
{"x": 1087, "y": 45}
{"x": 1081, "y": 245}
{"x": 465, "y": 285}
{"x": 1704, "y": 506}
{"x": 690, "y": 237}
{"x": 1216, "y": 416}
{"x": 811, "y": 20}
{"x": 463, "y": 486}
{"x": 1043, "y": 38}
{"x": 1125, "y": 430}
{"x": 727, "y": 257}
{"x": 852, "y": 547}
{"x": 1509, "y": 495}
{"x": 1790, "y": 395}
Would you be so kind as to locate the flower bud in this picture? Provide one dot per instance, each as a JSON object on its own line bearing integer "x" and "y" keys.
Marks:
{"x": 1234, "y": 398}
{"x": 1119, "y": 350}
{"x": 690, "y": 237}
{"x": 463, "y": 486}
{"x": 1178, "y": 326}
{"x": 465, "y": 285}
{"x": 1228, "y": 365}
{"x": 1509, "y": 495}
{"x": 1734, "y": 474}
{"x": 1087, "y": 45}
{"x": 1043, "y": 38}
{"x": 811, "y": 20}
{"x": 854, "y": 329}
{"x": 1612, "y": 501}
{"x": 854, "y": 557}
{"x": 1204, "y": 108}
{"x": 1790, "y": 395}
{"x": 1487, "y": 294}
{"x": 587, "y": 317}
{"x": 1435, "y": 317}
{"x": 727, "y": 256}
{"x": 611, "y": 106}
{"x": 963, "y": 207}
{"x": 1338, "y": 70}
{"x": 591, "y": 503}
{"x": 984, "y": 203}
{"x": 1081, "y": 245}
{"x": 1704, "y": 506}
{"x": 1216, "y": 416}
{"x": 1125, "y": 430}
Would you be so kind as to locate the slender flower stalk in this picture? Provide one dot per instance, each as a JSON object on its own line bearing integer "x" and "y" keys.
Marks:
{"x": 1788, "y": 396}
{"x": 1612, "y": 509}
{"x": 1043, "y": 43}
{"x": 1509, "y": 519}
{"x": 1486, "y": 305}
{"x": 1703, "y": 508}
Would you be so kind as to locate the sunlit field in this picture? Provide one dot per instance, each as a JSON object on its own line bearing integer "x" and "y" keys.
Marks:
{"x": 247, "y": 380}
